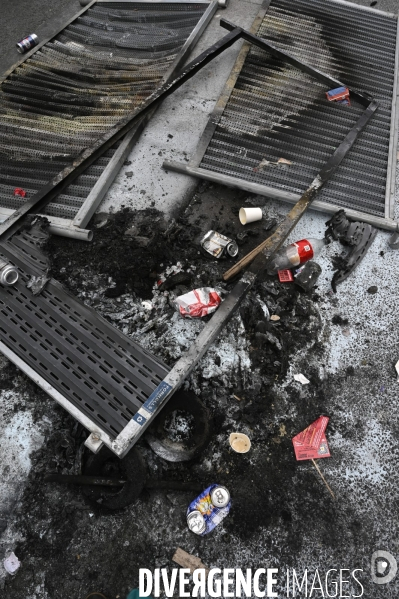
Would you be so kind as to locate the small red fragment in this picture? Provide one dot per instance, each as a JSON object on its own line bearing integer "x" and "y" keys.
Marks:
{"x": 18, "y": 191}
{"x": 285, "y": 276}
{"x": 312, "y": 443}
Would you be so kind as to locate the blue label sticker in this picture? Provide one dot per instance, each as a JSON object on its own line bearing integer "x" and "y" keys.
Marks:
{"x": 139, "y": 419}
{"x": 157, "y": 397}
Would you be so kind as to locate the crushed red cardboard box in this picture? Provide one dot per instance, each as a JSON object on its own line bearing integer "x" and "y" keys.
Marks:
{"x": 198, "y": 302}
{"x": 311, "y": 443}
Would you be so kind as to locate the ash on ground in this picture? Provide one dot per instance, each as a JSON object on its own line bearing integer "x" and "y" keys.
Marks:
{"x": 282, "y": 513}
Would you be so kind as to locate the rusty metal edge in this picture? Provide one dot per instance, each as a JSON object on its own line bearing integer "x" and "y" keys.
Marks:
{"x": 218, "y": 110}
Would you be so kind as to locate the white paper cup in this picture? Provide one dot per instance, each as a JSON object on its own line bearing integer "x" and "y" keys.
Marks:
{"x": 249, "y": 215}
{"x": 240, "y": 442}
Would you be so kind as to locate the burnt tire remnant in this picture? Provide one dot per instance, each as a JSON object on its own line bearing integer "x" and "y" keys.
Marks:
{"x": 168, "y": 446}
{"x": 131, "y": 468}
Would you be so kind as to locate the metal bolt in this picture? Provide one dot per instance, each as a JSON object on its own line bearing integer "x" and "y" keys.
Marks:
{"x": 95, "y": 437}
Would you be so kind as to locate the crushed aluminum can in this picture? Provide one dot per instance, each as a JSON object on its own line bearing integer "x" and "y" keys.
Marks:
{"x": 208, "y": 509}
{"x": 216, "y": 245}
{"x": 27, "y": 43}
{"x": 232, "y": 249}
{"x": 196, "y": 522}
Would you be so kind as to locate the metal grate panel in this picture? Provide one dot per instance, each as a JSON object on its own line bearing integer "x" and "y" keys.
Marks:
{"x": 73, "y": 89}
{"x": 275, "y": 111}
{"x": 100, "y": 371}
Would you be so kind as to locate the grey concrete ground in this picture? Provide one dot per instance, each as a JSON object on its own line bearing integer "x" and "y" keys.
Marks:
{"x": 22, "y": 17}
{"x": 384, "y": 5}
{"x": 364, "y": 435}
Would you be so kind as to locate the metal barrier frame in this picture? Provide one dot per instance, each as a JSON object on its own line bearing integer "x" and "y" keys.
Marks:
{"x": 186, "y": 364}
{"x": 76, "y": 227}
{"x": 174, "y": 379}
{"x": 192, "y": 167}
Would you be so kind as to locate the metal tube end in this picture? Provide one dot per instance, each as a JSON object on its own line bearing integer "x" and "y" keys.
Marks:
{"x": 8, "y": 275}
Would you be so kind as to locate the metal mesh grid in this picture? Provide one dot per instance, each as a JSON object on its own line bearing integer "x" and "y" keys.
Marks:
{"x": 103, "y": 373}
{"x": 276, "y": 111}
{"x": 76, "y": 87}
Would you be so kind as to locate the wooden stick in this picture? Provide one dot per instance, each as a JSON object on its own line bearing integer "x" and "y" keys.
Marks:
{"x": 323, "y": 479}
{"x": 238, "y": 266}
{"x": 186, "y": 560}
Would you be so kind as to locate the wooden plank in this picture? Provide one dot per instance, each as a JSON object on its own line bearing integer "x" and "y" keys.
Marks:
{"x": 186, "y": 560}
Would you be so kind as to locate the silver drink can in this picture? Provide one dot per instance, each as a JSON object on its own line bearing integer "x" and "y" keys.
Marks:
{"x": 216, "y": 245}
{"x": 8, "y": 274}
{"x": 26, "y": 44}
{"x": 207, "y": 510}
{"x": 196, "y": 522}
{"x": 232, "y": 249}
{"x": 220, "y": 497}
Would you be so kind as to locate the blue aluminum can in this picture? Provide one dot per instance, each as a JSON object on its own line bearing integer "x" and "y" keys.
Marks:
{"x": 208, "y": 509}
{"x": 29, "y": 42}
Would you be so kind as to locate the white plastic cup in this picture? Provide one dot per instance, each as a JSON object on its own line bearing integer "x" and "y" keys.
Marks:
{"x": 239, "y": 442}
{"x": 249, "y": 215}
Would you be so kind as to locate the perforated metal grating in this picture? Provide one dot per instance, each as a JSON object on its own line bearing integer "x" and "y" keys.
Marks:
{"x": 103, "y": 373}
{"x": 74, "y": 88}
{"x": 276, "y": 111}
